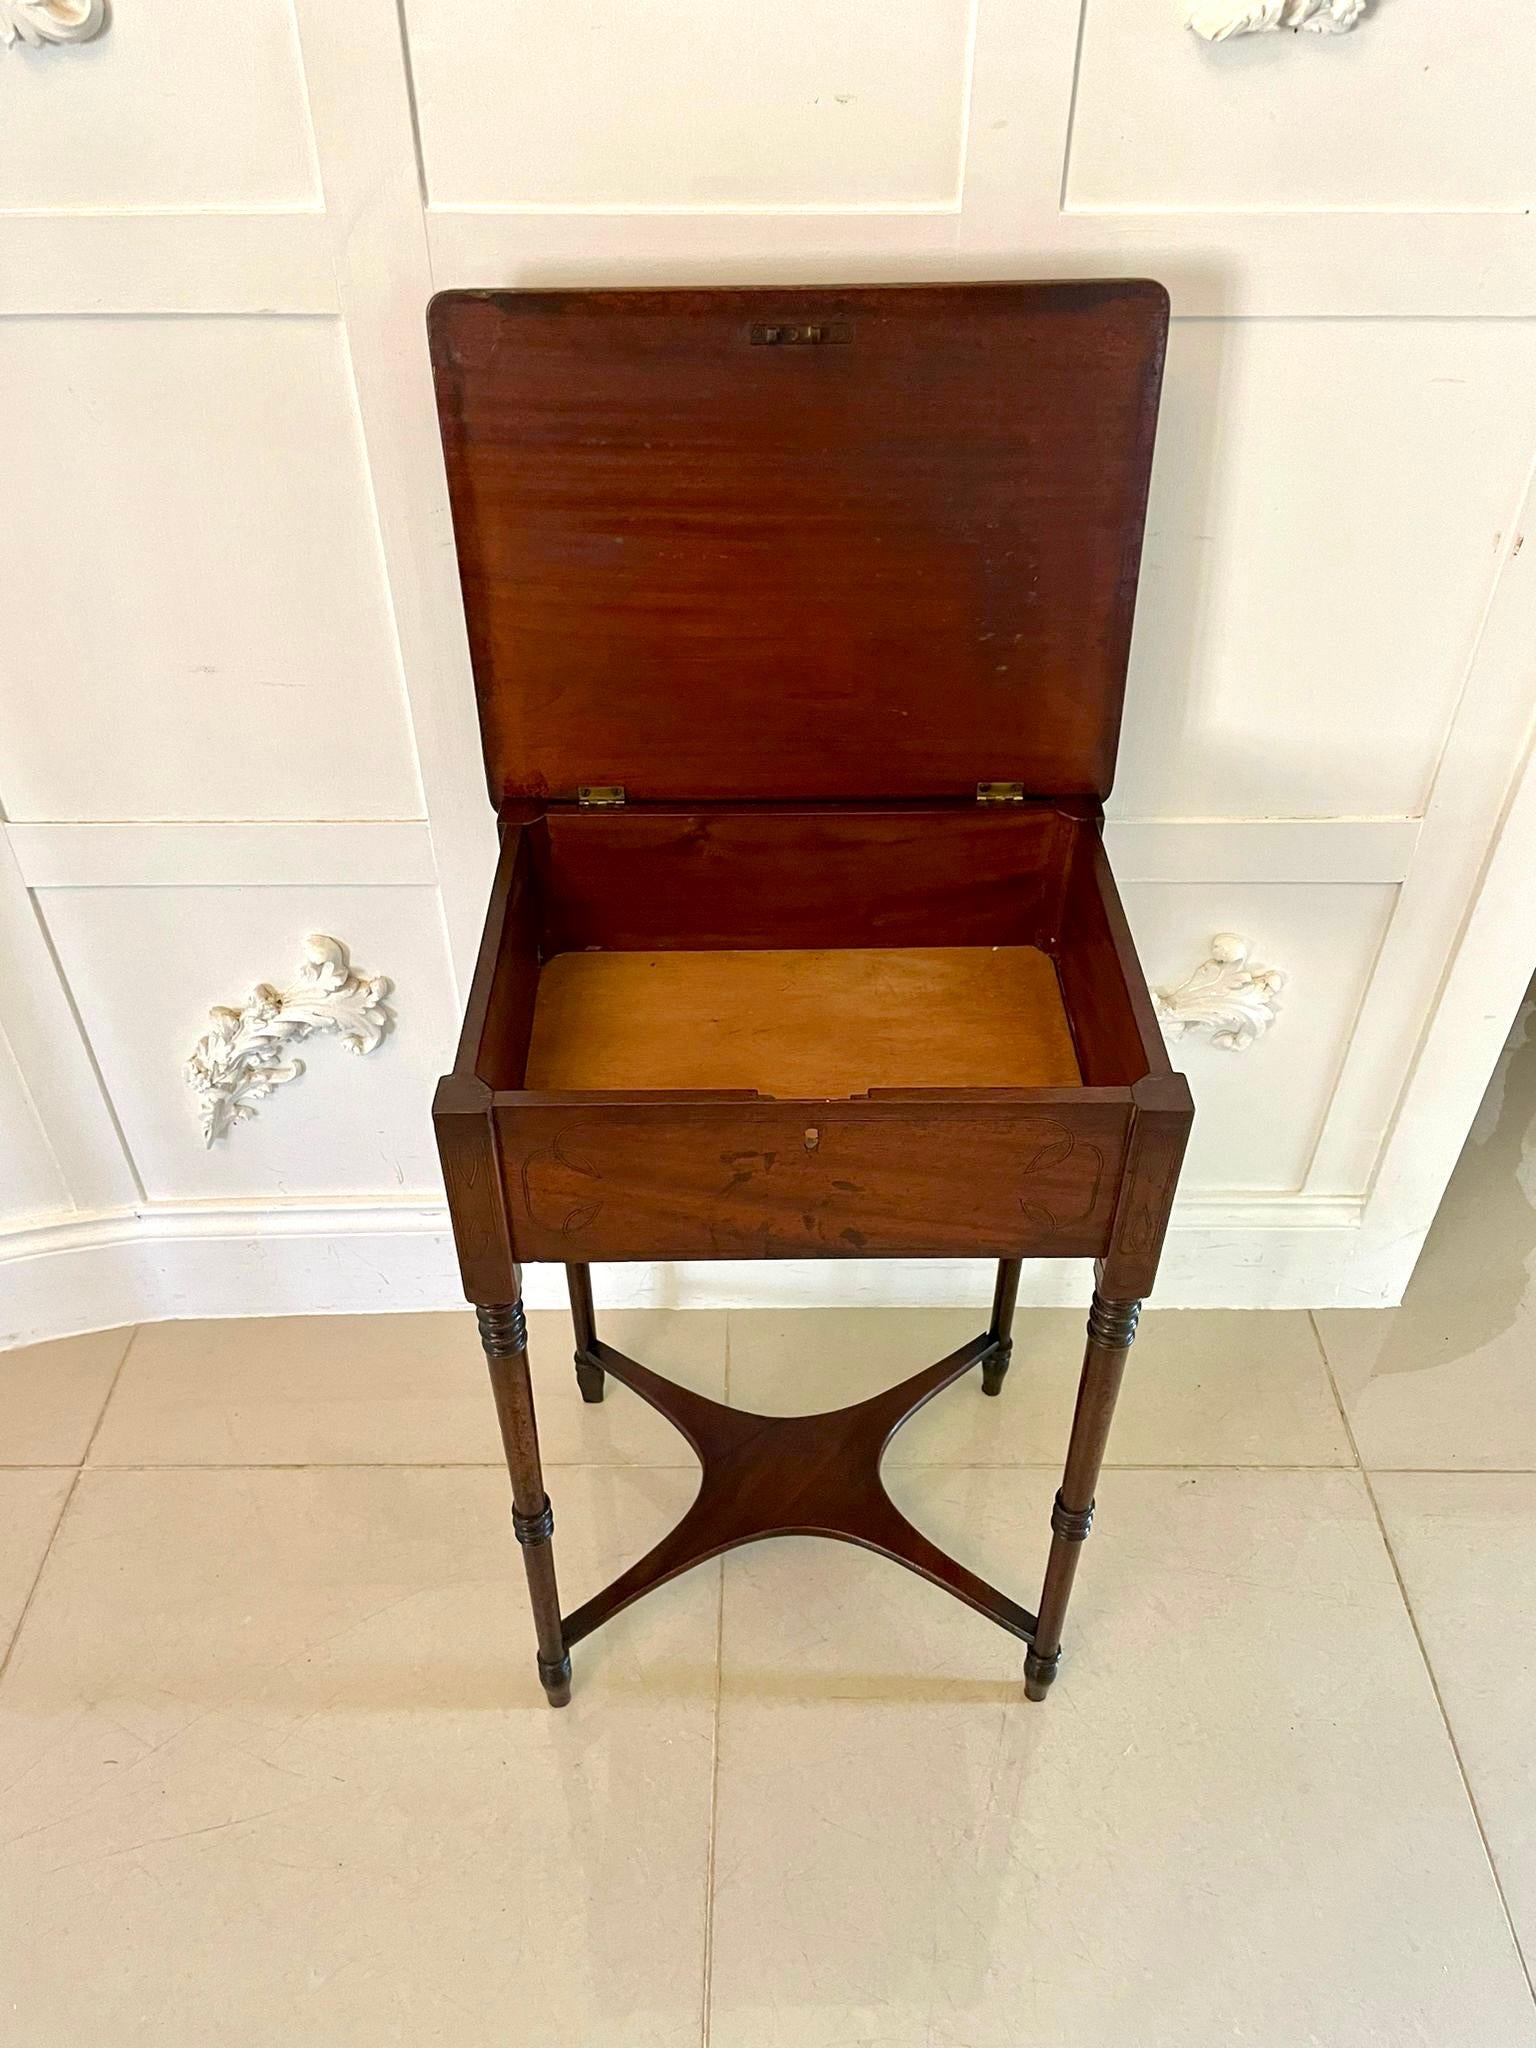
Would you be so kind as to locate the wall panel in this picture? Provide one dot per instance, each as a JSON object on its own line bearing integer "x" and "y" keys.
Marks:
{"x": 196, "y": 621}
{"x": 144, "y": 965}
{"x": 31, "y": 1184}
{"x": 177, "y": 105}
{"x": 1259, "y": 1113}
{"x": 682, "y": 103}
{"x": 237, "y": 704}
{"x": 1330, "y": 506}
{"x": 1377, "y": 121}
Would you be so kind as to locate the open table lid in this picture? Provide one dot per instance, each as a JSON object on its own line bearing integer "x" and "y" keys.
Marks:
{"x": 845, "y": 542}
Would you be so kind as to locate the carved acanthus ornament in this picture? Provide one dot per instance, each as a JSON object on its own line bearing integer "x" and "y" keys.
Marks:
{"x": 246, "y": 1052}
{"x": 1216, "y": 20}
{"x": 36, "y": 22}
{"x": 1229, "y": 997}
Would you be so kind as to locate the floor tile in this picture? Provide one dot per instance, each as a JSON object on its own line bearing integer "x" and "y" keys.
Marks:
{"x": 279, "y": 1770}
{"x": 1446, "y": 1380}
{"x": 29, "y": 1508}
{"x": 1238, "y": 1818}
{"x": 1204, "y": 1387}
{"x": 406, "y": 1389}
{"x": 51, "y": 1396}
{"x": 1466, "y": 1546}
{"x": 1443, "y": 1383}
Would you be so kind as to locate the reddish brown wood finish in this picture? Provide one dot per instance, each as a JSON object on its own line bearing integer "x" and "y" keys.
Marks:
{"x": 663, "y": 877}
{"x": 589, "y": 1372}
{"x": 801, "y": 598}
{"x": 1117, "y": 1033}
{"x": 1161, "y": 1114}
{"x": 1111, "y": 1331}
{"x": 1005, "y": 1300}
{"x": 794, "y": 1475}
{"x": 472, "y": 1179}
{"x": 690, "y": 1177}
{"x": 897, "y": 561}
{"x": 504, "y": 1335}
{"x": 798, "y": 875}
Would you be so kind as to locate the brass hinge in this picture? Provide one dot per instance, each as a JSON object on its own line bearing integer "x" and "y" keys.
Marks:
{"x": 600, "y": 796}
{"x": 999, "y": 792}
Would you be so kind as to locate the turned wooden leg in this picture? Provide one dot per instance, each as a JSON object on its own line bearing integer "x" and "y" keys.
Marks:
{"x": 994, "y": 1367}
{"x": 589, "y": 1374}
{"x": 504, "y": 1333}
{"x": 1111, "y": 1332}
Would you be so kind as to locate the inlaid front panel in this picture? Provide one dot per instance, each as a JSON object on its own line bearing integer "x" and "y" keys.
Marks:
{"x": 687, "y": 103}
{"x": 796, "y": 1180}
{"x": 195, "y": 621}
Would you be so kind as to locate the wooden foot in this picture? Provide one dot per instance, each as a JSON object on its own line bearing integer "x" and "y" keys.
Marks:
{"x": 556, "y": 1681}
{"x": 994, "y": 1368}
{"x": 504, "y": 1336}
{"x": 1039, "y": 1674}
{"x": 1111, "y": 1332}
{"x": 589, "y": 1372}
{"x": 800, "y": 1475}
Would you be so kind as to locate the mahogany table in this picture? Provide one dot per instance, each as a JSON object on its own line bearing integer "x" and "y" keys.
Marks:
{"x": 800, "y": 622}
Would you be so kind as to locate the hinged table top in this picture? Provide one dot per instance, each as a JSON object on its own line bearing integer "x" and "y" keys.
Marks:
{"x": 820, "y": 543}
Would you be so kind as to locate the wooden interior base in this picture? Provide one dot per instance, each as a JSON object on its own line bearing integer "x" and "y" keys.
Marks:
{"x": 797, "y": 1475}
{"x": 819, "y": 1022}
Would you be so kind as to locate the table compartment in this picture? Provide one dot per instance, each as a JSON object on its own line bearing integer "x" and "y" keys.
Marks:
{"x": 802, "y": 1031}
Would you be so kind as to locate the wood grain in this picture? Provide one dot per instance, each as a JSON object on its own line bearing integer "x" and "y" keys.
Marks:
{"x": 802, "y": 1023}
{"x": 794, "y": 1475}
{"x": 709, "y": 1177}
{"x": 900, "y": 564}
{"x": 663, "y": 875}
{"x": 801, "y": 996}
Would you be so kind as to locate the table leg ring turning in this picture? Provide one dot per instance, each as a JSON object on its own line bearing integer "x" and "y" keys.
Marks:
{"x": 1070, "y": 1524}
{"x": 555, "y": 1678}
{"x": 784, "y": 973}
{"x": 806, "y": 1475}
{"x": 504, "y": 1337}
{"x": 538, "y": 1528}
{"x": 1111, "y": 1332}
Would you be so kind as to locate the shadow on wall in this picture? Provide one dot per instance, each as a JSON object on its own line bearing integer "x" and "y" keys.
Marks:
{"x": 1474, "y": 1275}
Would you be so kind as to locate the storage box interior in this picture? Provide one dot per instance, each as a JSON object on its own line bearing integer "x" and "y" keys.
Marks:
{"x": 808, "y": 952}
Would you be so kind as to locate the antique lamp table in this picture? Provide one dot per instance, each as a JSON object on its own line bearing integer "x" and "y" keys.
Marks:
{"x": 799, "y": 621}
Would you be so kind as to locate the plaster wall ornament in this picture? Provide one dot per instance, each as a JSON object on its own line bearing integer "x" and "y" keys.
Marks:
{"x": 247, "y": 1052}
{"x": 36, "y": 22}
{"x": 1229, "y": 997}
{"x": 1216, "y": 20}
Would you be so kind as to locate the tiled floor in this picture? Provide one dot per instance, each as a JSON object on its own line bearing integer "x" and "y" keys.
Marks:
{"x": 276, "y": 1768}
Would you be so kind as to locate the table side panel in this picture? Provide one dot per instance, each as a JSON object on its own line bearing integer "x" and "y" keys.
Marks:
{"x": 498, "y": 1016}
{"x": 1114, "y": 1024}
{"x": 785, "y": 875}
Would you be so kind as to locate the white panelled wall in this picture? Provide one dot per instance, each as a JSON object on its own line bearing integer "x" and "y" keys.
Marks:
{"x": 235, "y": 703}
